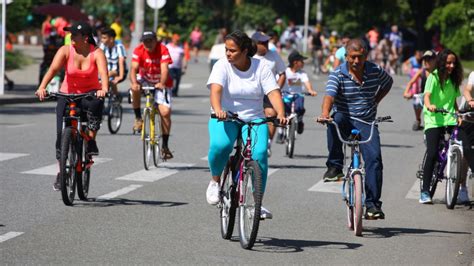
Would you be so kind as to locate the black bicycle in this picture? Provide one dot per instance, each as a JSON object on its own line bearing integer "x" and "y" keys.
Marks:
{"x": 74, "y": 164}
{"x": 114, "y": 112}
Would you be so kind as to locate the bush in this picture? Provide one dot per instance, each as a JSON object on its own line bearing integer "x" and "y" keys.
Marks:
{"x": 16, "y": 60}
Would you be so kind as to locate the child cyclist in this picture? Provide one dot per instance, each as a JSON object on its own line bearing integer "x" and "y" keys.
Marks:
{"x": 441, "y": 91}
{"x": 416, "y": 86}
{"x": 296, "y": 81}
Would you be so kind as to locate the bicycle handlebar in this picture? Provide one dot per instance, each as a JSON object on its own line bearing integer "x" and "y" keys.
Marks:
{"x": 458, "y": 114}
{"x": 235, "y": 117}
{"x": 70, "y": 96}
{"x": 352, "y": 142}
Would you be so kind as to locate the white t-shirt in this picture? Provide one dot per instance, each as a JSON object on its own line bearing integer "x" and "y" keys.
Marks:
{"x": 274, "y": 62}
{"x": 295, "y": 81}
{"x": 243, "y": 91}
{"x": 470, "y": 80}
{"x": 177, "y": 55}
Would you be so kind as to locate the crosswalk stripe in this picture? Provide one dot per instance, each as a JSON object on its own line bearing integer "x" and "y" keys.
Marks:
{"x": 119, "y": 192}
{"x": 270, "y": 170}
{"x": 186, "y": 86}
{"x": 329, "y": 187}
{"x": 204, "y": 158}
{"x": 9, "y": 235}
{"x": 8, "y": 155}
{"x": 21, "y": 125}
{"x": 414, "y": 192}
{"x": 53, "y": 169}
{"x": 155, "y": 174}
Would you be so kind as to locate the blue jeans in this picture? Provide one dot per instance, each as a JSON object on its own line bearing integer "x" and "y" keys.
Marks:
{"x": 371, "y": 153}
{"x": 222, "y": 136}
{"x": 175, "y": 74}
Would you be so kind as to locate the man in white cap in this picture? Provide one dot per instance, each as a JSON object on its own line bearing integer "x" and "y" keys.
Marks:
{"x": 276, "y": 64}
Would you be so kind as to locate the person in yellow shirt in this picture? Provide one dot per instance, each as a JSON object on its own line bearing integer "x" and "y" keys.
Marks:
{"x": 117, "y": 27}
{"x": 163, "y": 34}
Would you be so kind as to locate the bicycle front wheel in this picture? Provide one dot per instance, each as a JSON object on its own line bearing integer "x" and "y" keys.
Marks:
{"x": 251, "y": 205}
{"x": 349, "y": 188}
{"x": 358, "y": 207}
{"x": 114, "y": 120}
{"x": 453, "y": 178}
{"x": 156, "y": 143}
{"x": 147, "y": 146}
{"x": 290, "y": 143}
{"x": 68, "y": 160}
{"x": 83, "y": 179}
{"x": 228, "y": 202}
{"x": 434, "y": 177}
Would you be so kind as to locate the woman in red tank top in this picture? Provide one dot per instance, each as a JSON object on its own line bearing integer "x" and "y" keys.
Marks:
{"x": 84, "y": 63}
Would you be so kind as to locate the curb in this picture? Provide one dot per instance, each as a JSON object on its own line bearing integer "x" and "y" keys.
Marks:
{"x": 16, "y": 100}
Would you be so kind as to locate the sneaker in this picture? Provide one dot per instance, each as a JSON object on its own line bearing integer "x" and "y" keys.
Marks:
{"x": 463, "y": 196}
{"x": 57, "y": 183}
{"x": 332, "y": 175}
{"x": 374, "y": 213}
{"x": 416, "y": 126}
{"x": 137, "y": 126}
{"x": 91, "y": 148}
{"x": 425, "y": 198}
{"x": 212, "y": 193}
{"x": 265, "y": 214}
{"x": 300, "y": 128}
{"x": 166, "y": 153}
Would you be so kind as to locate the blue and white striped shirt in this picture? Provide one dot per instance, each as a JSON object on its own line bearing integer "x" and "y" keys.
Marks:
{"x": 113, "y": 54}
{"x": 354, "y": 99}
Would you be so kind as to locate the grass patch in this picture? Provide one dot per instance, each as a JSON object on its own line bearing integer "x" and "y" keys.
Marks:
{"x": 468, "y": 65}
{"x": 16, "y": 60}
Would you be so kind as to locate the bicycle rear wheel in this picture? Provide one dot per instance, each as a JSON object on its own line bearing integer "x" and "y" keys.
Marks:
{"x": 68, "y": 160}
{"x": 358, "y": 207}
{"x": 250, "y": 208}
{"x": 349, "y": 203}
{"x": 156, "y": 145}
{"x": 83, "y": 179}
{"x": 290, "y": 144}
{"x": 228, "y": 202}
{"x": 114, "y": 120}
{"x": 147, "y": 147}
{"x": 453, "y": 178}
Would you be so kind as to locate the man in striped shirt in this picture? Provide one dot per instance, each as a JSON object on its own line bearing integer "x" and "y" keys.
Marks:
{"x": 353, "y": 92}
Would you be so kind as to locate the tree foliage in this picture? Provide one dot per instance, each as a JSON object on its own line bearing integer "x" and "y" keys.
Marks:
{"x": 452, "y": 20}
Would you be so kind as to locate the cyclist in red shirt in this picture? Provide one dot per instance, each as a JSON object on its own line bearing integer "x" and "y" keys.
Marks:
{"x": 149, "y": 67}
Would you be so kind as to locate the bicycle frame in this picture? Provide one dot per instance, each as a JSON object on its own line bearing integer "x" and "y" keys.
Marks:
{"x": 150, "y": 105}
{"x": 353, "y": 168}
{"x": 73, "y": 119}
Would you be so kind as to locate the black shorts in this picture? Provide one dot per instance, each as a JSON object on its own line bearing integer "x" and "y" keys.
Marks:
{"x": 267, "y": 103}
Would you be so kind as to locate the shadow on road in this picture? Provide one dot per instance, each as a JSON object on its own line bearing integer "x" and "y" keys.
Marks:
{"x": 294, "y": 166}
{"x": 93, "y": 202}
{"x": 276, "y": 245}
{"x": 387, "y": 232}
{"x": 309, "y": 156}
{"x": 396, "y": 146}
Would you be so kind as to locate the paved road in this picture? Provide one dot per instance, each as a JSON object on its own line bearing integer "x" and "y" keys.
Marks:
{"x": 161, "y": 216}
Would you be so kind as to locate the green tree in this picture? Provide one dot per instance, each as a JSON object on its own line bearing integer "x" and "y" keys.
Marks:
{"x": 253, "y": 15}
{"x": 452, "y": 20}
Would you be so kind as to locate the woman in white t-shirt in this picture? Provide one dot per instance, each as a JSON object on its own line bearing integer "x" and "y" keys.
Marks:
{"x": 237, "y": 84}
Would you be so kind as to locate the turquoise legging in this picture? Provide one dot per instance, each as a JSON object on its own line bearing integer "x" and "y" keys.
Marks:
{"x": 222, "y": 137}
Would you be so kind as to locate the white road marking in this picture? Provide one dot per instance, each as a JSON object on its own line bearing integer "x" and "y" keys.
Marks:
{"x": 152, "y": 175}
{"x": 204, "y": 158}
{"x": 9, "y": 235}
{"x": 8, "y": 156}
{"x": 414, "y": 192}
{"x": 186, "y": 86}
{"x": 329, "y": 187}
{"x": 177, "y": 166}
{"x": 272, "y": 171}
{"x": 21, "y": 125}
{"x": 53, "y": 169}
{"x": 119, "y": 192}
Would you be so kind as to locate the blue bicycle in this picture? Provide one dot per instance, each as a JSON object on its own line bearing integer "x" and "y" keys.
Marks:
{"x": 353, "y": 192}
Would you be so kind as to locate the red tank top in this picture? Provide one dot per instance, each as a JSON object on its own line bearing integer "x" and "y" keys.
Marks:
{"x": 80, "y": 81}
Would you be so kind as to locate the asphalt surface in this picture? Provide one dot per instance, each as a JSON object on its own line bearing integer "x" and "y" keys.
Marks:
{"x": 161, "y": 216}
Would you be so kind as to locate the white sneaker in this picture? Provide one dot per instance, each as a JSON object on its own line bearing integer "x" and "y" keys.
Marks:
{"x": 265, "y": 213}
{"x": 463, "y": 196}
{"x": 212, "y": 193}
